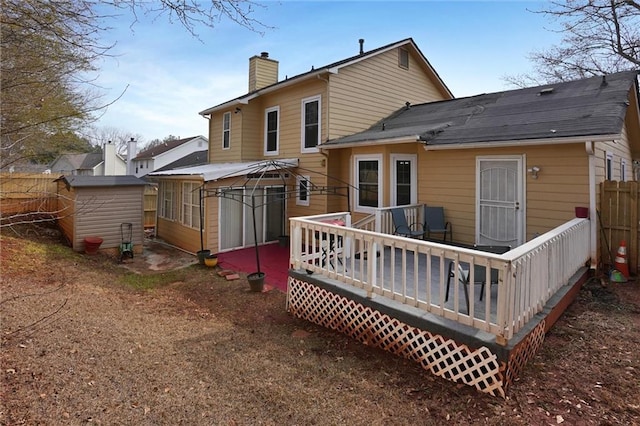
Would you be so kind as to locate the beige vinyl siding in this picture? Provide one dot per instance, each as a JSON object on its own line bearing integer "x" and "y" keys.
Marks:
{"x": 179, "y": 235}
{"x": 66, "y": 211}
{"x": 363, "y": 93}
{"x": 234, "y": 153}
{"x": 173, "y": 231}
{"x": 447, "y": 178}
{"x": 100, "y": 211}
{"x": 211, "y": 206}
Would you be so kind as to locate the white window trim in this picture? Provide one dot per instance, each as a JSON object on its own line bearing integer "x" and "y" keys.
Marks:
{"x": 413, "y": 159}
{"x": 608, "y": 166}
{"x": 185, "y": 190}
{"x": 356, "y": 182}
{"x": 266, "y": 115}
{"x": 162, "y": 196}
{"x": 299, "y": 201}
{"x": 226, "y": 114}
{"x": 305, "y": 101}
{"x": 623, "y": 169}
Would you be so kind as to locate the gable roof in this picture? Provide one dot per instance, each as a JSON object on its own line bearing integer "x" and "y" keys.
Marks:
{"x": 78, "y": 181}
{"x": 164, "y": 147}
{"x": 80, "y": 161}
{"x": 197, "y": 158}
{"x": 332, "y": 68}
{"x": 591, "y": 107}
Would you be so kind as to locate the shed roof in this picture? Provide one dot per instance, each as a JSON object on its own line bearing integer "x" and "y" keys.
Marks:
{"x": 217, "y": 171}
{"x": 75, "y": 181}
{"x": 589, "y": 107}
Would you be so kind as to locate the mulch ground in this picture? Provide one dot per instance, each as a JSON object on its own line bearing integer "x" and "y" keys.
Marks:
{"x": 85, "y": 341}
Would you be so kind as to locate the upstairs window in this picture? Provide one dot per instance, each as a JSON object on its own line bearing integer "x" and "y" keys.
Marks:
{"x": 271, "y": 131}
{"x": 310, "y": 124}
{"x": 226, "y": 130}
{"x": 403, "y": 58}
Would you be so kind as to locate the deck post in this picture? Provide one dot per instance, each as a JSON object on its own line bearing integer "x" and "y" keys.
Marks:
{"x": 296, "y": 244}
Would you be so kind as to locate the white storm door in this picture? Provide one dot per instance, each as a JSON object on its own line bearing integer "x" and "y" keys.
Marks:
{"x": 499, "y": 203}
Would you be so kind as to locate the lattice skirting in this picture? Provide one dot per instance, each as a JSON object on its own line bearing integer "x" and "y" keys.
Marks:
{"x": 442, "y": 356}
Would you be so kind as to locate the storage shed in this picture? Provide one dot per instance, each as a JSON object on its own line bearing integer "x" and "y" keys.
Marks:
{"x": 98, "y": 206}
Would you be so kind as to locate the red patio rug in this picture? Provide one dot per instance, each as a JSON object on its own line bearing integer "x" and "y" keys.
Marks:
{"x": 274, "y": 262}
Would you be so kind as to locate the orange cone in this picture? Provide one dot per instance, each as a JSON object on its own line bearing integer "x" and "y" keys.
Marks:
{"x": 621, "y": 259}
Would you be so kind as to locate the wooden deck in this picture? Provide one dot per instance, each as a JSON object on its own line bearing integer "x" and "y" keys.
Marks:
{"x": 390, "y": 292}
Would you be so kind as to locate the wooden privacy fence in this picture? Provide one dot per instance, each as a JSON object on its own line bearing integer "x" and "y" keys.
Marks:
{"x": 27, "y": 193}
{"x": 150, "y": 205}
{"x": 619, "y": 221}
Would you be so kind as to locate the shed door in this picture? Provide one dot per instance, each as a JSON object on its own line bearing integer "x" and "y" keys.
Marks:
{"x": 499, "y": 204}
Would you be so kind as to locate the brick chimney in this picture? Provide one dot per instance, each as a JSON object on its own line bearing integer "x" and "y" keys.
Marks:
{"x": 262, "y": 72}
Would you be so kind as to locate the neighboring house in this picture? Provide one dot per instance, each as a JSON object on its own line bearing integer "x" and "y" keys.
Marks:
{"x": 158, "y": 157}
{"x": 108, "y": 163}
{"x": 506, "y": 166}
{"x": 197, "y": 158}
{"x": 288, "y": 119}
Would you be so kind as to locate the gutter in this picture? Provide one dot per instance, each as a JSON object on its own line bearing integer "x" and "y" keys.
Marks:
{"x": 522, "y": 142}
{"x": 400, "y": 139}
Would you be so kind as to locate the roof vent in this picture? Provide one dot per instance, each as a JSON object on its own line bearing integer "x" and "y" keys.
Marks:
{"x": 264, "y": 54}
{"x": 604, "y": 81}
{"x": 547, "y": 91}
{"x": 361, "y": 41}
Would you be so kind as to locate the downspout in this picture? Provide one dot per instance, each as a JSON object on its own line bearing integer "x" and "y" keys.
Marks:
{"x": 593, "y": 214}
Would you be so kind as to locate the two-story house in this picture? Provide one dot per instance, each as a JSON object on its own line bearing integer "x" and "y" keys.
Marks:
{"x": 160, "y": 156}
{"x": 107, "y": 163}
{"x": 287, "y": 121}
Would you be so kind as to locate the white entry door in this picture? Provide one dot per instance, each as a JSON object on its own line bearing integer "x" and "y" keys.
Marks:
{"x": 499, "y": 201}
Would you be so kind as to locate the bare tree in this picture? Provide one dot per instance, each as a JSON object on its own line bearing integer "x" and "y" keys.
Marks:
{"x": 599, "y": 37}
{"x": 49, "y": 56}
{"x": 101, "y": 135}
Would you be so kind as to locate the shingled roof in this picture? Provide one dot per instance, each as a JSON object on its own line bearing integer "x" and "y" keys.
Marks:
{"x": 162, "y": 148}
{"x": 583, "y": 108}
{"x": 330, "y": 68}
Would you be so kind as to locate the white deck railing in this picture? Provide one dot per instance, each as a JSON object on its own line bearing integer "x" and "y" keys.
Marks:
{"x": 415, "y": 272}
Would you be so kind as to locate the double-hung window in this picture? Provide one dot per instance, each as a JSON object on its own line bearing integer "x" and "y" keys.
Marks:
{"x": 304, "y": 187}
{"x": 368, "y": 182}
{"x": 311, "y": 124}
{"x": 226, "y": 130}
{"x": 167, "y": 192}
{"x": 190, "y": 205}
{"x": 608, "y": 166}
{"x": 271, "y": 131}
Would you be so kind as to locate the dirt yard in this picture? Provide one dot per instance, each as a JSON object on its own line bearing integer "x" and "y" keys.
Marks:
{"x": 87, "y": 341}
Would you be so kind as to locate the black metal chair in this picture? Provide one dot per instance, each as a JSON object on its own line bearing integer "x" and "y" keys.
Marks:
{"x": 434, "y": 222}
{"x": 402, "y": 228}
{"x": 479, "y": 275}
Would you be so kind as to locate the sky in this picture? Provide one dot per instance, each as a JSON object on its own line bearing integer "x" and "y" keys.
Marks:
{"x": 168, "y": 76}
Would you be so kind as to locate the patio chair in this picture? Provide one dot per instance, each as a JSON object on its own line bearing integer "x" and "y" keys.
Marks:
{"x": 434, "y": 223}
{"x": 402, "y": 228}
{"x": 479, "y": 273}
